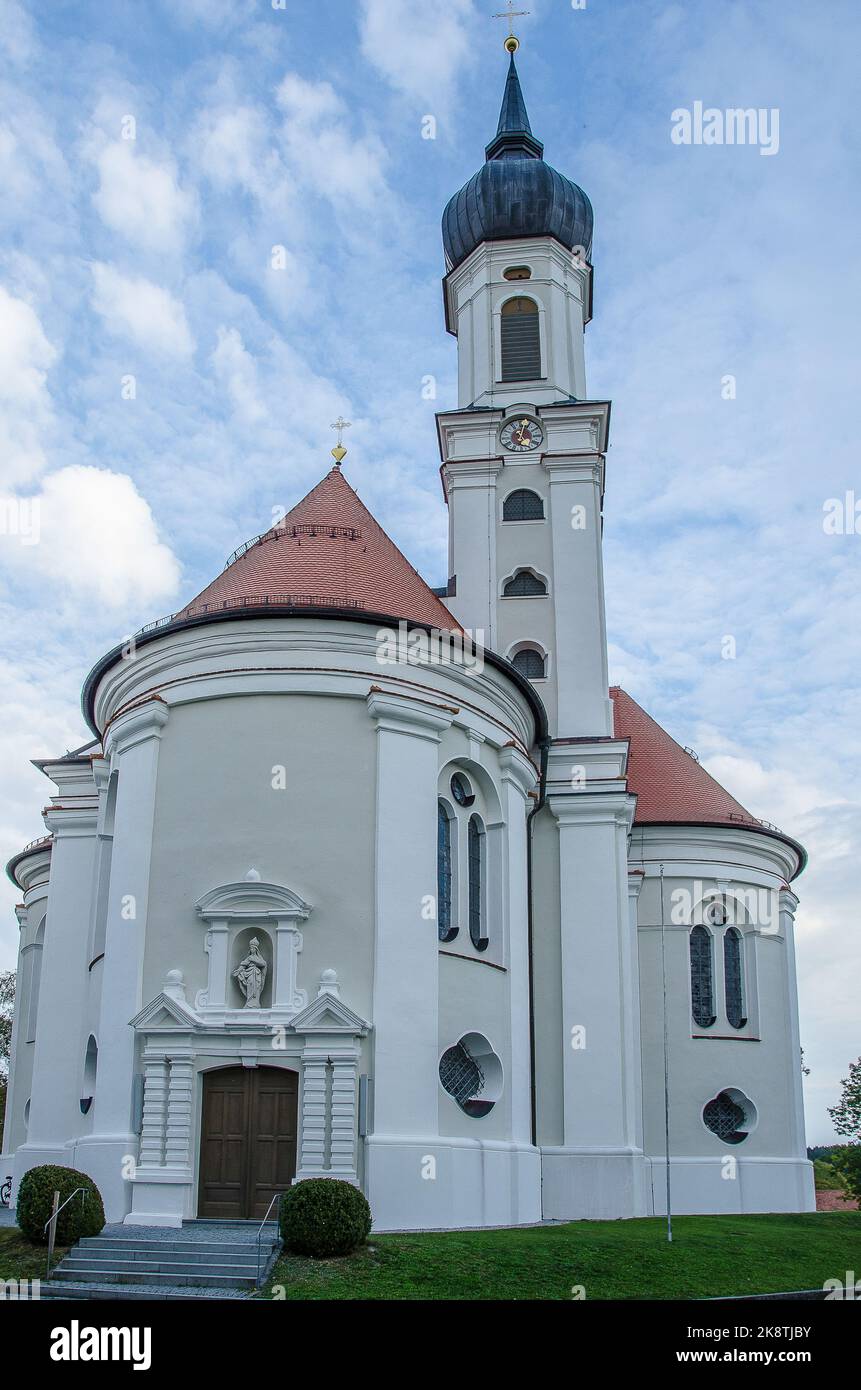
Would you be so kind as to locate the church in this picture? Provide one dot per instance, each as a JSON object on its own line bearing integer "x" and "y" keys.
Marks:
{"x": 367, "y": 880}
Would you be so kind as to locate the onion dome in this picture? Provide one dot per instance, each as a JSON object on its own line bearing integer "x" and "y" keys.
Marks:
{"x": 515, "y": 194}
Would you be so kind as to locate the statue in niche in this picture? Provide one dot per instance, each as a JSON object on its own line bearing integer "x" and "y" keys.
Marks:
{"x": 251, "y": 974}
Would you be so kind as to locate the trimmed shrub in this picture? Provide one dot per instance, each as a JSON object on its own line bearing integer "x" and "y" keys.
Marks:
{"x": 324, "y": 1216}
{"x": 847, "y": 1165}
{"x": 82, "y": 1217}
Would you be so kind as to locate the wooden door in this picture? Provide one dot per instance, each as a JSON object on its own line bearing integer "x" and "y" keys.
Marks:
{"x": 248, "y": 1140}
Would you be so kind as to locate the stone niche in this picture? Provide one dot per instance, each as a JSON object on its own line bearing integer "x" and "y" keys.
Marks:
{"x": 252, "y": 944}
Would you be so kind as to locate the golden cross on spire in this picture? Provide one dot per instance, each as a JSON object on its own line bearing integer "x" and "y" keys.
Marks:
{"x": 512, "y": 43}
{"x": 340, "y": 425}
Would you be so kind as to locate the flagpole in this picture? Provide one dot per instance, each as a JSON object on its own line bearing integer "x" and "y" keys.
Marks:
{"x": 666, "y": 1062}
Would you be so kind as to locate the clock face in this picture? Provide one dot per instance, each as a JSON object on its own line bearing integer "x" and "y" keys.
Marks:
{"x": 521, "y": 435}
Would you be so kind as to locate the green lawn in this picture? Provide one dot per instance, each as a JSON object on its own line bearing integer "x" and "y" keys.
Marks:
{"x": 21, "y": 1260}
{"x": 709, "y": 1255}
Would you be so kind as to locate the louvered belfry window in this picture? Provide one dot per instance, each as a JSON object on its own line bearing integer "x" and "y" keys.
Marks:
{"x": 732, "y": 944}
{"x": 521, "y": 340}
{"x": 702, "y": 981}
{"x": 523, "y": 505}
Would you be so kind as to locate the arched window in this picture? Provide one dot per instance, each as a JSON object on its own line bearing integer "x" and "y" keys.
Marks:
{"x": 475, "y": 846}
{"x": 445, "y": 928}
{"x": 521, "y": 340}
{"x": 732, "y": 975}
{"x": 702, "y": 978}
{"x": 530, "y": 663}
{"x": 524, "y": 584}
{"x": 523, "y": 505}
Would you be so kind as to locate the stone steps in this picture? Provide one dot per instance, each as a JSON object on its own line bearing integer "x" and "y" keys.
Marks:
{"x": 187, "y": 1263}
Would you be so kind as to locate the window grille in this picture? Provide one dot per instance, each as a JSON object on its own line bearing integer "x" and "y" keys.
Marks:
{"x": 460, "y": 1074}
{"x": 529, "y": 663}
{"x": 443, "y": 874}
{"x": 524, "y": 584}
{"x": 724, "y": 1118}
{"x": 475, "y": 848}
{"x": 523, "y": 505}
{"x": 702, "y": 981}
{"x": 732, "y": 969}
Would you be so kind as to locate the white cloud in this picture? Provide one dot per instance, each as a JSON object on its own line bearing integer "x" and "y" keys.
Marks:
{"x": 419, "y": 49}
{"x": 17, "y": 38}
{"x": 347, "y": 171}
{"x": 25, "y": 407}
{"x": 134, "y": 307}
{"x": 142, "y": 199}
{"x": 236, "y": 370}
{"x": 98, "y": 539}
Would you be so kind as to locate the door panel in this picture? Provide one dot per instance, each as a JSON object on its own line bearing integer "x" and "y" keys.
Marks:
{"x": 248, "y": 1140}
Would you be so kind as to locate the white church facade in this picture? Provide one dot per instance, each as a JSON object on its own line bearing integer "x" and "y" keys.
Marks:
{"x": 365, "y": 880}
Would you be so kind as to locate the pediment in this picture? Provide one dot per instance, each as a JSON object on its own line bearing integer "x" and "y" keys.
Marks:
{"x": 166, "y": 1013}
{"x": 252, "y": 898}
{"x": 328, "y": 1014}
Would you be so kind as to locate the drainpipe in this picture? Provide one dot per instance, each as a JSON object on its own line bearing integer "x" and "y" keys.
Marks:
{"x": 530, "y": 819}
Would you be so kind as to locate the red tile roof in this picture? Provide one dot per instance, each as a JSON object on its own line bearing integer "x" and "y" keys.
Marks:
{"x": 669, "y": 784}
{"x": 328, "y": 551}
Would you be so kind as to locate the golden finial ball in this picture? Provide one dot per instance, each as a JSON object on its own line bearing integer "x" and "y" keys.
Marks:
{"x": 338, "y": 453}
{"x": 512, "y": 44}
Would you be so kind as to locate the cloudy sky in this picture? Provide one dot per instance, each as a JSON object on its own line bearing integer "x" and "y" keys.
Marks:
{"x": 220, "y": 228}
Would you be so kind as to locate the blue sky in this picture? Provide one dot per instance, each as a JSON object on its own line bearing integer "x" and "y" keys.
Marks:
{"x": 301, "y": 128}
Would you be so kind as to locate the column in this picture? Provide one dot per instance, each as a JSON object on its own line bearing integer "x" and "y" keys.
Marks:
{"x": 133, "y": 744}
{"x": 580, "y": 649}
{"x": 406, "y": 963}
{"x": 788, "y": 906}
{"x": 58, "y": 1051}
{"x": 598, "y": 1171}
{"x": 518, "y": 779}
{"x": 471, "y": 485}
{"x": 406, "y": 1050}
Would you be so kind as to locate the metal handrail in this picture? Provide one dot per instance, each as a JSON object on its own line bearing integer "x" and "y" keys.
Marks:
{"x": 277, "y": 1197}
{"x": 52, "y": 1222}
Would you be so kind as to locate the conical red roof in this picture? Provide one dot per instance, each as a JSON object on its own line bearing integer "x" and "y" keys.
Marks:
{"x": 327, "y": 552}
{"x": 669, "y": 784}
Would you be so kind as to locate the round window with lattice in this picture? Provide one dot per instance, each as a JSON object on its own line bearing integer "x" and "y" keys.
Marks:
{"x": 471, "y": 1073}
{"x": 730, "y": 1115}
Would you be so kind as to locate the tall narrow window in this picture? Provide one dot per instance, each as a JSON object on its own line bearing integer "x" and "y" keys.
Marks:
{"x": 475, "y": 845}
{"x": 521, "y": 340}
{"x": 445, "y": 929}
{"x": 732, "y": 975}
{"x": 702, "y": 978}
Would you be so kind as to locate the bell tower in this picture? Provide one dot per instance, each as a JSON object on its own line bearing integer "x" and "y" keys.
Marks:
{"x": 523, "y": 453}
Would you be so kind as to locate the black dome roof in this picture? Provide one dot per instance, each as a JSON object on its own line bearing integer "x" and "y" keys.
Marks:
{"x": 515, "y": 194}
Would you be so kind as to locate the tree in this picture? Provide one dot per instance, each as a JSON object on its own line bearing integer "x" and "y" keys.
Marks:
{"x": 7, "y": 1004}
{"x": 846, "y": 1115}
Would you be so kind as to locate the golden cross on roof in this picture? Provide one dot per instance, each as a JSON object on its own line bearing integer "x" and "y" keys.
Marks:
{"x": 340, "y": 425}
{"x": 511, "y": 43}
